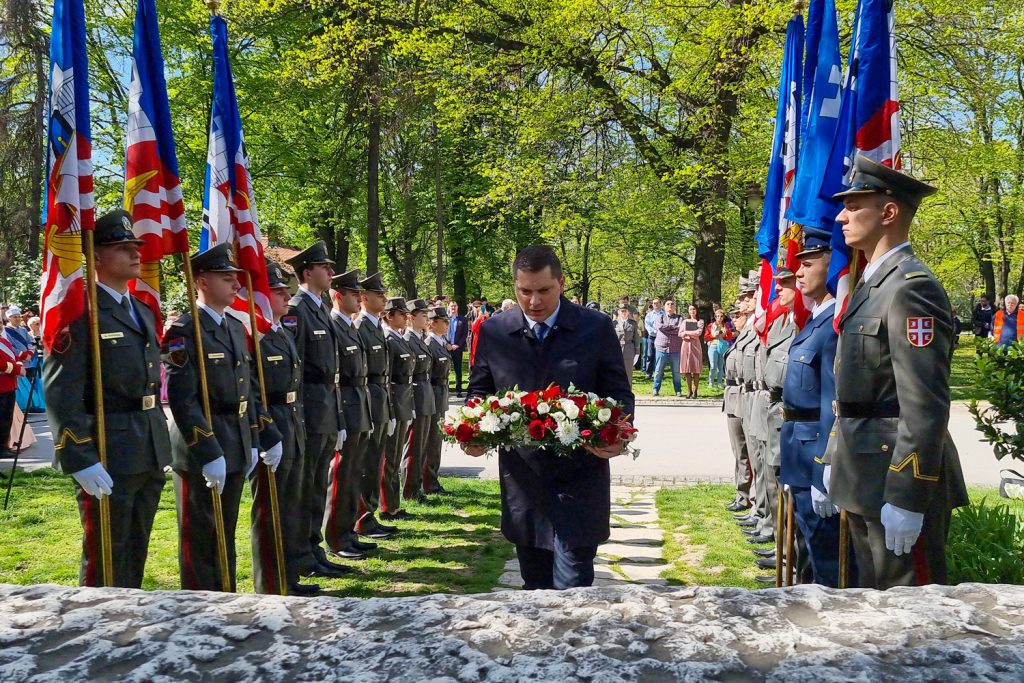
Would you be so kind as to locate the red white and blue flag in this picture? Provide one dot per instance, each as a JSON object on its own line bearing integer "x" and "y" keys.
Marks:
{"x": 778, "y": 239}
{"x": 229, "y": 209}
{"x": 869, "y": 123}
{"x": 152, "y": 188}
{"x": 69, "y": 185}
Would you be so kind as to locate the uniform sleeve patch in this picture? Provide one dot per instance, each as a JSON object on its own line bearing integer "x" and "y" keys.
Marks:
{"x": 290, "y": 320}
{"x": 176, "y": 352}
{"x": 920, "y": 330}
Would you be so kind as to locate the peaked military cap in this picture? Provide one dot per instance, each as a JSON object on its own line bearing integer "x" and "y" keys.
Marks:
{"x": 310, "y": 256}
{"x": 417, "y": 305}
{"x": 870, "y": 177}
{"x": 349, "y": 280}
{"x": 396, "y": 303}
{"x": 753, "y": 279}
{"x": 114, "y": 228}
{"x": 214, "y": 260}
{"x": 372, "y": 283}
{"x": 783, "y": 273}
{"x": 815, "y": 242}
{"x": 276, "y": 275}
{"x": 437, "y": 314}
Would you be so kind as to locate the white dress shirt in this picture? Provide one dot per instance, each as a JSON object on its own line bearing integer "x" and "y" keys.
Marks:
{"x": 870, "y": 269}
{"x": 821, "y": 308}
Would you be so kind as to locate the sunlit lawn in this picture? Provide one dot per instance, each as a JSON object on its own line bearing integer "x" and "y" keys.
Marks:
{"x": 453, "y": 545}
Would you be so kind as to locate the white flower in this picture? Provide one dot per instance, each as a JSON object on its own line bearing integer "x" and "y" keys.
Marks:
{"x": 1014, "y": 491}
{"x": 468, "y": 412}
{"x": 558, "y": 416}
{"x": 543, "y": 408}
{"x": 504, "y": 401}
{"x": 490, "y": 424}
{"x": 514, "y": 417}
{"x": 571, "y": 411}
{"x": 591, "y": 397}
{"x": 567, "y": 432}
{"x": 604, "y": 414}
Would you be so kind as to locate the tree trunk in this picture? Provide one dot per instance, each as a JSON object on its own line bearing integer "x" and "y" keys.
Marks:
{"x": 439, "y": 211}
{"x": 373, "y": 169}
{"x": 37, "y": 170}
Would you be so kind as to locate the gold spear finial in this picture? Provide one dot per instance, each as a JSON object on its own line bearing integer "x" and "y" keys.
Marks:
{"x": 214, "y": 6}
{"x": 798, "y": 7}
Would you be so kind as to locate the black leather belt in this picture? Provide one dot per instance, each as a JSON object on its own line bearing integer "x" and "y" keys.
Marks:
{"x": 122, "y": 404}
{"x": 872, "y": 409}
{"x": 801, "y": 414}
{"x": 319, "y": 379}
{"x": 238, "y": 408}
{"x": 761, "y": 385}
{"x": 747, "y": 386}
{"x": 732, "y": 382}
{"x": 401, "y": 380}
{"x": 377, "y": 379}
{"x": 774, "y": 395}
{"x": 421, "y": 377}
{"x": 352, "y": 382}
{"x": 281, "y": 398}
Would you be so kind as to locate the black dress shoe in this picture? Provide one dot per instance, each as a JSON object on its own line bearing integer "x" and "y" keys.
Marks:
{"x": 379, "y": 533}
{"x": 349, "y": 553}
{"x": 753, "y": 531}
{"x": 438, "y": 490}
{"x": 401, "y": 514}
{"x": 324, "y": 562}
{"x": 364, "y": 546}
{"x": 736, "y": 506}
{"x": 332, "y": 571}
{"x": 419, "y": 497}
{"x": 386, "y": 527}
{"x": 767, "y": 538}
{"x": 764, "y": 552}
{"x": 765, "y": 579}
{"x": 303, "y": 590}
{"x": 745, "y": 515}
{"x": 747, "y": 522}
{"x": 766, "y": 563}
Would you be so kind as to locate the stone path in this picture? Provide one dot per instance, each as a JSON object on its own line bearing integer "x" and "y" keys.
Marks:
{"x": 633, "y": 553}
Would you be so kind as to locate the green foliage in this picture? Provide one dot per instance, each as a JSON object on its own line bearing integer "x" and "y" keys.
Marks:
{"x": 19, "y": 284}
{"x": 1001, "y": 382}
{"x": 986, "y": 544}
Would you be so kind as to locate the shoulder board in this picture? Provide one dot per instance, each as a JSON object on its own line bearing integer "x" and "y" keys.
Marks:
{"x": 295, "y": 300}
{"x": 916, "y": 273}
{"x": 178, "y": 323}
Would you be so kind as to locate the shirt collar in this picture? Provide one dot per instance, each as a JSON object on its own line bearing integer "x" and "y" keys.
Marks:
{"x": 317, "y": 300}
{"x": 550, "y": 322}
{"x": 341, "y": 316}
{"x": 217, "y": 317}
{"x": 275, "y": 327}
{"x": 820, "y": 309}
{"x": 870, "y": 269}
{"x": 438, "y": 338}
{"x": 390, "y": 330}
{"x": 372, "y": 318}
{"x": 116, "y": 295}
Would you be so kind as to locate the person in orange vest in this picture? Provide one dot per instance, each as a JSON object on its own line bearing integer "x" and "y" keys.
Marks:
{"x": 1008, "y": 324}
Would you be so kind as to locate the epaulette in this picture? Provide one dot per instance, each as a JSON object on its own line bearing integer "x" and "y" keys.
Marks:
{"x": 178, "y": 323}
{"x": 915, "y": 273}
{"x": 296, "y": 299}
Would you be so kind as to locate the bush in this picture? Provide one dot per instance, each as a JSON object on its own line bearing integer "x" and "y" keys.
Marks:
{"x": 986, "y": 544}
{"x": 1001, "y": 382}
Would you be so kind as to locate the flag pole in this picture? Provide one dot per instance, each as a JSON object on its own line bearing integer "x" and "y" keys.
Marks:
{"x": 275, "y": 511}
{"x": 106, "y": 559}
{"x": 204, "y": 395}
{"x": 844, "y": 523}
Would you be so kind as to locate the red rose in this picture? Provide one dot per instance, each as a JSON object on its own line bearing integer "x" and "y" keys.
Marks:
{"x": 551, "y": 392}
{"x": 536, "y": 429}
{"x": 464, "y": 433}
{"x": 495, "y": 405}
{"x": 586, "y": 433}
{"x": 533, "y": 414}
{"x": 609, "y": 434}
{"x": 449, "y": 430}
{"x": 550, "y": 423}
{"x": 616, "y": 414}
{"x": 530, "y": 400}
{"x": 580, "y": 401}
{"x": 599, "y": 403}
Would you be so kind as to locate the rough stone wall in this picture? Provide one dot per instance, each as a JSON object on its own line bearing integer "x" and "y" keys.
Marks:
{"x": 632, "y": 633}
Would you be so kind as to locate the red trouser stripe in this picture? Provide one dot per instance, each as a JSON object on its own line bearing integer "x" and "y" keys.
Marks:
{"x": 92, "y": 540}
{"x": 332, "y": 511}
{"x": 188, "y": 577}
{"x": 410, "y": 458}
{"x": 268, "y": 551}
{"x": 921, "y": 573}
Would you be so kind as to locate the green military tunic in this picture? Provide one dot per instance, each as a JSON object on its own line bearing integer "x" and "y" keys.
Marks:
{"x": 414, "y": 453}
{"x": 378, "y": 377}
{"x": 137, "y": 442}
{"x": 439, "y": 372}
{"x": 731, "y": 405}
{"x": 403, "y": 364}
{"x": 755, "y": 438}
{"x": 890, "y": 443}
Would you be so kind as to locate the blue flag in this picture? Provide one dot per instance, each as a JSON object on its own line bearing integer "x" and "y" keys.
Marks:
{"x": 807, "y": 208}
{"x": 868, "y": 123}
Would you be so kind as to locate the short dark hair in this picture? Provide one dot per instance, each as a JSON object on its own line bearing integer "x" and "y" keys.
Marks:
{"x": 535, "y": 258}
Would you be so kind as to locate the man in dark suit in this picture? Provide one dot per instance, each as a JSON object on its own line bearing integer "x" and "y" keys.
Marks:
{"x": 138, "y": 447}
{"x": 223, "y": 453}
{"x": 458, "y": 329}
{"x": 554, "y": 509}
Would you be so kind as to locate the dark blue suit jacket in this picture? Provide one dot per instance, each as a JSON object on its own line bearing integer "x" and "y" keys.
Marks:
{"x": 810, "y": 384}
{"x": 461, "y": 330}
{"x": 542, "y": 494}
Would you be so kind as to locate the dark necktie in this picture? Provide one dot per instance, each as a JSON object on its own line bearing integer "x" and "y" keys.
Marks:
{"x": 126, "y": 304}
{"x": 540, "y": 330}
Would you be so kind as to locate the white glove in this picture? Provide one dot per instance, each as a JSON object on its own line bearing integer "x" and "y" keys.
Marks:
{"x": 94, "y": 480}
{"x": 216, "y": 472}
{"x": 414, "y": 414}
{"x": 392, "y": 424}
{"x": 272, "y": 456}
{"x": 785, "y": 488}
{"x": 826, "y": 477}
{"x": 822, "y": 504}
{"x": 342, "y": 435}
{"x": 902, "y": 527}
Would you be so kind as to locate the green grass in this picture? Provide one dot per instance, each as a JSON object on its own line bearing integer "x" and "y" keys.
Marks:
{"x": 963, "y": 375}
{"x": 703, "y": 544}
{"x": 453, "y": 545}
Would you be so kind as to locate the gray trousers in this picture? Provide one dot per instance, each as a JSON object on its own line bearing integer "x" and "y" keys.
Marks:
{"x": 880, "y": 568}
{"x": 744, "y": 475}
{"x": 389, "y": 496}
{"x": 369, "y": 485}
{"x": 414, "y": 455}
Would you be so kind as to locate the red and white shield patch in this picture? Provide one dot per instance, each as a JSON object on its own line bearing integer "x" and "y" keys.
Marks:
{"x": 920, "y": 331}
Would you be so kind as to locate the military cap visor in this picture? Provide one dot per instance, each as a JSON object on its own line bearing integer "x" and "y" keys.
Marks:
{"x": 313, "y": 255}
{"x": 114, "y": 228}
{"x": 396, "y": 304}
{"x": 277, "y": 277}
{"x": 348, "y": 280}
{"x": 372, "y": 283}
{"x": 784, "y": 273}
{"x": 871, "y": 177}
{"x": 815, "y": 242}
{"x": 214, "y": 260}
{"x": 417, "y": 305}
{"x": 437, "y": 314}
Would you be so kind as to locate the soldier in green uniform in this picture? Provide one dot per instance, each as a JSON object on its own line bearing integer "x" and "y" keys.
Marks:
{"x": 776, "y": 356}
{"x": 731, "y": 405}
{"x": 136, "y": 432}
{"x": 403, "y": 364}
{"x": 423, "y": 402}
{"x": 439, "y": 371}
{"x": 382, "y": 415}
{"x": 282, "y": 380}
{"x": 220, "y": 455}
{"x": 309, "y": 320}
{"x": 893, "y": 466}
{"x": 346, "y": 468}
